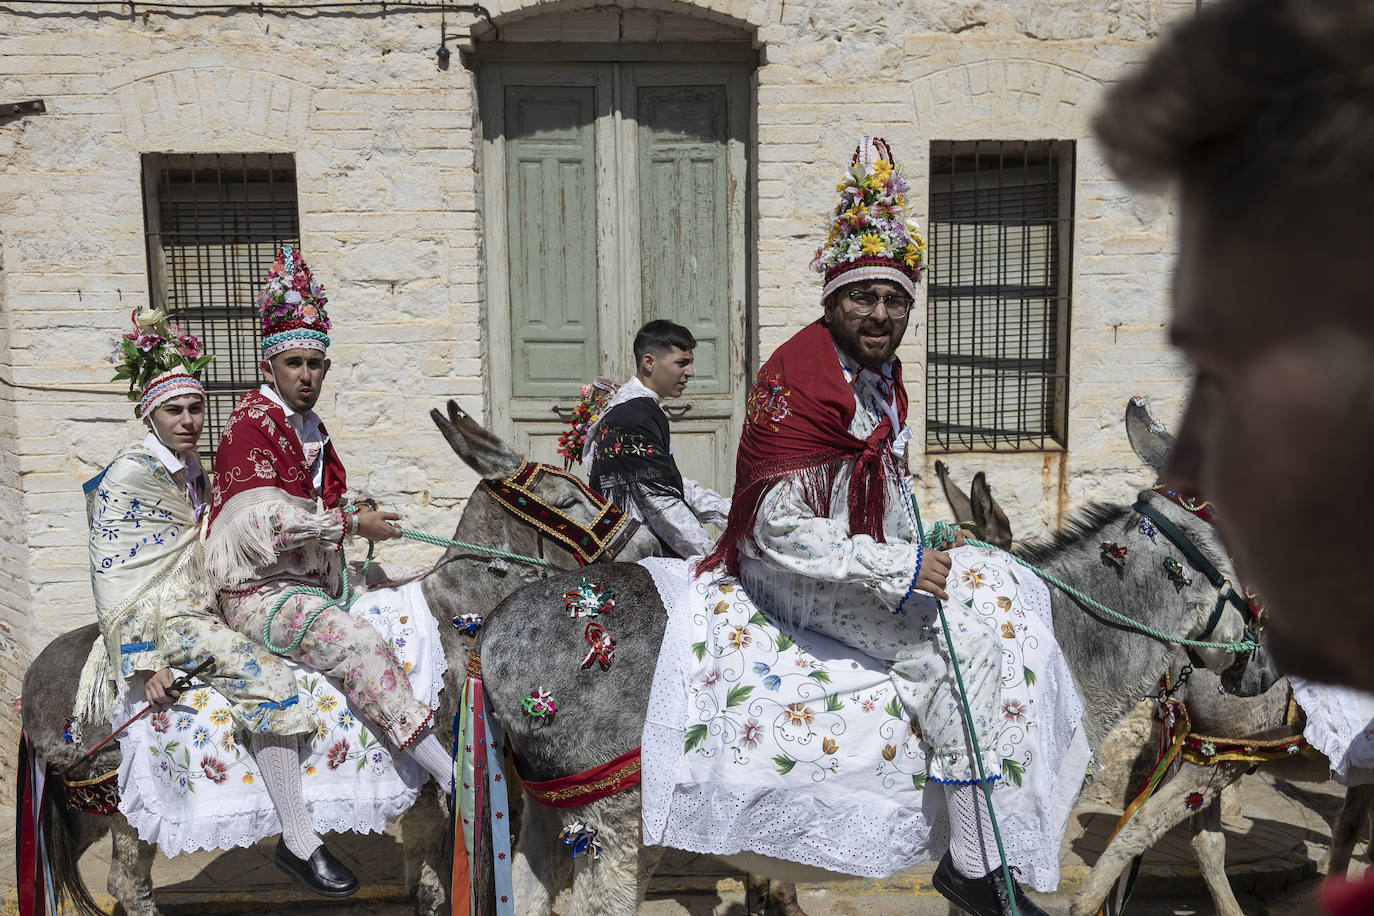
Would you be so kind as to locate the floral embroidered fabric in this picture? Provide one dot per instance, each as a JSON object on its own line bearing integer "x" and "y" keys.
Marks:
{"x": 187, "y": 780}
{"x": 792, "y": 745}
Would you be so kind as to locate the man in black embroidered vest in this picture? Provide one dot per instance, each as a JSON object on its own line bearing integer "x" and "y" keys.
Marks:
{"x": 630, "y": 452}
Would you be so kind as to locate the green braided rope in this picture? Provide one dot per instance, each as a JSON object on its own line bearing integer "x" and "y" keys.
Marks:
{"x": 941, "y": 533}
{"x": 346, "y": 596}
{"x": 343, "y": 602}
{"x": 492, "y": 551}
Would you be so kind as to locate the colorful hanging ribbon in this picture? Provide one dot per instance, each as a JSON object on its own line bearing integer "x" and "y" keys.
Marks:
{"x": 602, "y": 645}
{"x": 1112, "y": 552}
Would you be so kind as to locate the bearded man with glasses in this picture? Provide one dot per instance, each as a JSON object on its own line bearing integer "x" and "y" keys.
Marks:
{"x": 823, "y": 536}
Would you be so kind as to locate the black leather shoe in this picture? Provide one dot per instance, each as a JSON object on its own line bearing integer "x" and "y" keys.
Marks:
{"x": 986, "y": 896}
{"x": 321, "y": 873}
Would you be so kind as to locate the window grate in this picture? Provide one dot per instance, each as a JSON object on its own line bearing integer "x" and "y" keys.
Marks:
{"x": 1000, "y": 248}
{"x": 214, "y": 223}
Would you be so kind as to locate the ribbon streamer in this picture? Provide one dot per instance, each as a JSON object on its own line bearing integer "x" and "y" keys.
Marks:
{"x": 589, "y": 599}
{"x": 602, "y": 645}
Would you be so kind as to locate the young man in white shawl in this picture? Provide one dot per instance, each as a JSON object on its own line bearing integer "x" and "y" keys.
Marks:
{"x": 630, "y": 453}
{"x": 153, "y": 601}
{"x": 821, "y": 532}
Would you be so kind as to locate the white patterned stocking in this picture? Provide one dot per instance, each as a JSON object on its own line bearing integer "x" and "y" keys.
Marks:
{"x": 430, "y": 754}
{"x": 972, "y": 846}
{"x": 279, "y": 762}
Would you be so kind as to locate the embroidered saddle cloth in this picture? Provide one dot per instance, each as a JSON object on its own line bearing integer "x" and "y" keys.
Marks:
{"x": 794, "y": 746}
{"x": 186, "y": 782}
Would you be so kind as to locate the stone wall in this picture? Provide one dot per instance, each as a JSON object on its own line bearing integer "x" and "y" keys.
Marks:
{"x": 386, "y": 166}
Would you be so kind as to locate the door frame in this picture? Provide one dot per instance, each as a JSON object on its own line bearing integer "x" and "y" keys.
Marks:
{"x": 613, "y": 273}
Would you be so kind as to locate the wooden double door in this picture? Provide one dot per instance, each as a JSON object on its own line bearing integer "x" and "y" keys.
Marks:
{"x": 616, "y": 193}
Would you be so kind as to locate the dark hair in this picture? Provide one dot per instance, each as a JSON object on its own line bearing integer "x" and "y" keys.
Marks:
{"x": 1254, "y": 104}
{"x": 660, "y": 336}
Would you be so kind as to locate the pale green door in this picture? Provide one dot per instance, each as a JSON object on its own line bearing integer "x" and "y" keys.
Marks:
{"x": 616, "y": 196}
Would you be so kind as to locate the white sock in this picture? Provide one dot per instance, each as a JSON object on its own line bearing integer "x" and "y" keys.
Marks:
{"x": 430, "y": 754}
{"x": 279, "y": 762}
{"x": 972, "y": 847}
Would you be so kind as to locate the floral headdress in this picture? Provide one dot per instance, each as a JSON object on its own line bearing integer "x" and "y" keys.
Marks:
{"x": 572, "y": 442}
{"x": 161, "y": 361}
{"x": 870, "y": 238}
{"x": 292, "y": 307}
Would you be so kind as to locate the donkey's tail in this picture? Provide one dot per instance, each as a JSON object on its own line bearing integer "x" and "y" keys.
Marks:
{"x": 63, "y": 849}
{"x": 47, "y": 849}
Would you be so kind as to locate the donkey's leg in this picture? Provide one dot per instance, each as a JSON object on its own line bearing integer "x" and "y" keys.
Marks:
{"x": 1165, "y": 809}
{"x": 1345, "y": 830}
{"x": 1209, "y": 845}
{"x": 610, "y": 885}
{"x": 423, "y": 829}
{"x": 541, "y": 867}
{"x": 131, "y": 870}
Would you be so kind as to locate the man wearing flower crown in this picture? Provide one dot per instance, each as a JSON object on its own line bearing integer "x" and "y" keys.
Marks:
{"x": 630, "y": 454}
{"x": 821, "y": 530}
{"x": 280, "y": 516}
{"x": 155, "y": 607}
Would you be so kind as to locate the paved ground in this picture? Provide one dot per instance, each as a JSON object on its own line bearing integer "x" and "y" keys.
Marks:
{"x": 1273, "y": 848}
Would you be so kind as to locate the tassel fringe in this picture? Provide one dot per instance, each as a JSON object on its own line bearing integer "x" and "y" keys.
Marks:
{"x": 243, "y": 536}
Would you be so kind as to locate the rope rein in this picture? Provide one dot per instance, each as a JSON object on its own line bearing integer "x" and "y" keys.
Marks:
{"x": 346, "y": 595}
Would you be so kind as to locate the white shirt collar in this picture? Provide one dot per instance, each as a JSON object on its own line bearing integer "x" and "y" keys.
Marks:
{"x": 170, "y": 459}
{"x": 307, "y": 425}
{"x": 637, "y": 389}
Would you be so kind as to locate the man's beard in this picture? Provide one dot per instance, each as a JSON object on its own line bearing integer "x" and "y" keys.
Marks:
{"x": 853, "y": 346}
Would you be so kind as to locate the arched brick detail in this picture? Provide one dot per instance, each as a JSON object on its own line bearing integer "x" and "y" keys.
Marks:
{"x": 191, "y": 101}
{"x": 1016, "y": 94}
{"x": 741, "y": 15}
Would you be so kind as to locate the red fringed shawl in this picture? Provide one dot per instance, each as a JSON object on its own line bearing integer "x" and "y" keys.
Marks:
{"x": 796, "y": 424}
{"x": 260, "y": 449}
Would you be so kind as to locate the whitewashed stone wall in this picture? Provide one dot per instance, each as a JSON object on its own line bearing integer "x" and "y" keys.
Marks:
{"x": 386, "y": 166}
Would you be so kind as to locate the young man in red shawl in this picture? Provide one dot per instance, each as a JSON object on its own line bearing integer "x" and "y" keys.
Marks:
{"x": 279, "y": 517}
{"x": 822, "y": 532}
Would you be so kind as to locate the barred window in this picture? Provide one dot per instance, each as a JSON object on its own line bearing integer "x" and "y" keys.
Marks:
{"x": 214, "y": 222}
{"x": 1000, "y": 248}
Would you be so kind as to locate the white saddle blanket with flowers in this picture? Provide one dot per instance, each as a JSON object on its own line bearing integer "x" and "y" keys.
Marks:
{"x": 187, "y": 783}
{"x": 794, "y": 746}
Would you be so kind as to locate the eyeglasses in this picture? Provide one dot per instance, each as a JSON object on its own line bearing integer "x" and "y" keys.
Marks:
{"x": 897, "y": 305}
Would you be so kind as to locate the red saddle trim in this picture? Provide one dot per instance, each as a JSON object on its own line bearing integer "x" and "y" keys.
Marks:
{"x": 588, "y": 786}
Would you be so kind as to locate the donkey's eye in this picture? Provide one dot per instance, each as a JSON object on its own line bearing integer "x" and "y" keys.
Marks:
{"x": 565, "y": 502}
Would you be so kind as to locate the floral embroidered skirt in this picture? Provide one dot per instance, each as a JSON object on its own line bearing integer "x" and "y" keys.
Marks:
{"x": 795, "y": 746}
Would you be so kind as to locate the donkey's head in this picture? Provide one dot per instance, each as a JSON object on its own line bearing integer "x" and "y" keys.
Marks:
{"x": 1224, "y": 618}
{"x": 486, "y": 521}
{"x": 977, "y": 512}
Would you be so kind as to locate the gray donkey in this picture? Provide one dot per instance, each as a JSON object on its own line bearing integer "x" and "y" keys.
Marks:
{"x": 463, "y": 581}
{"x": 1211, "y": 710}
{"x": 601, "y": 714}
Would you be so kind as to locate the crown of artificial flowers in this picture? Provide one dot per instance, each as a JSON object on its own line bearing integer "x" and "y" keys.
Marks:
{"x": 161, "y": 361}
{"x": 292, "y": 306}
{"x": 869, "y": 237}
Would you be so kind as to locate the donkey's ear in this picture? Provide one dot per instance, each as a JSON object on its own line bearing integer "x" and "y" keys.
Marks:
{"x": 482, "y": 451}
{"x": 992, "y": 523}
{"x": 1149, "y": 439}
{"x": 958, "y": 502}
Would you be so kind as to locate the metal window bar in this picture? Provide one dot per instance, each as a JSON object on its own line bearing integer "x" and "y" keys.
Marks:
{"x": 1001, "y": 230}
{"x": 214, "y": 222}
